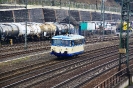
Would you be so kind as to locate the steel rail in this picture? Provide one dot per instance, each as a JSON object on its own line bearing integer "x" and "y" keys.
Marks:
{"x": 94, "y": 73}
{"x": 55, "y": 70}
{"x": 89, "y": 52}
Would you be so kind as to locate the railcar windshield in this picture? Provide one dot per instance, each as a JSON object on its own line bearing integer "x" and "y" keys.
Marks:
{"x": 56, "y": 42}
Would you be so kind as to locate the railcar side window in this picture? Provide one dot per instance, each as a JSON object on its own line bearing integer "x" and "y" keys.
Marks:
{"x": 83, "y": 40}
{"x": 66, "y": 43}
{"x": 78, "y": 42}
{"x": 72, "y": 43}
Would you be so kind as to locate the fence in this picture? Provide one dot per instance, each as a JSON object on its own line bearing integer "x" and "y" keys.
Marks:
{"x": 60, "y": 4}
{"x": 115, "y": 80}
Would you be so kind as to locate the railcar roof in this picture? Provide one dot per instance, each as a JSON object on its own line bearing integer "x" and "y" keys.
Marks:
{"x": 68, "y": 37}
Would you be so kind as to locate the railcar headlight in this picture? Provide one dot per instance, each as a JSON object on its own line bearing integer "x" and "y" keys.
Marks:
{"x": 53, "y": 48}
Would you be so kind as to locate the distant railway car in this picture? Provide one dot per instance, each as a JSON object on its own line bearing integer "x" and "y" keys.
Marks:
{"x": 48, "y": 30}
{"x": 64, "y": 28}
{"x": 67, "y": 45}
{"x": 9, "y": 30}
{"x": 35, "y": 31}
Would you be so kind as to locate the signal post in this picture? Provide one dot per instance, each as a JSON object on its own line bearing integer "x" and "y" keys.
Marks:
{"x": 124, "y": 36}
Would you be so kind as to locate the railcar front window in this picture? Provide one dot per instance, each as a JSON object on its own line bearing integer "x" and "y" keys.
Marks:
{"x": 56, "y": 42}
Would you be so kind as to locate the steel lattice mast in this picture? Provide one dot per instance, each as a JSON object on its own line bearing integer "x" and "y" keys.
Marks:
{"x": 124, "y": 35}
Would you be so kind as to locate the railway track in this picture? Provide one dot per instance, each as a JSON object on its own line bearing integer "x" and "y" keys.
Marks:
{"x": 77, "y": 78}
{"x": 114, "y": 79}
{"x": 19, "y": 50}
{"x": 79, "y": 63}
{"x": 22, "y": 44}
{"x": 69, "y": 82}
{"x": 100, "y": 39}
{"x": 7, "y": 48}
{"x": 10, "y": 51}
{"x": 94, "y": 50}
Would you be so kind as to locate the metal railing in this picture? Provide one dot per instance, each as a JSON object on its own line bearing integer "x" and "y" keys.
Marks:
{"x": 60, "y": 4}
{"x": 114, "y": 80}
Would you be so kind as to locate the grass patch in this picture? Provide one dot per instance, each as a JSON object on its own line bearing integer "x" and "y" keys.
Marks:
{"x": 16, "y": 61}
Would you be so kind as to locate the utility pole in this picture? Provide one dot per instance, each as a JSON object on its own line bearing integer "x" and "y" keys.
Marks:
{"x": 26, "y": 26}
{"x": 124, "y": 35}
{"x": 60, "y": 4}
{"x": 102, "y": 15}
{"x": 69, "y": 16}
{"x": 0, "y": 37}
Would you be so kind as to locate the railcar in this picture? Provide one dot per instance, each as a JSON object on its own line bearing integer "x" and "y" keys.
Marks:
{"x": 67, "y": 45}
